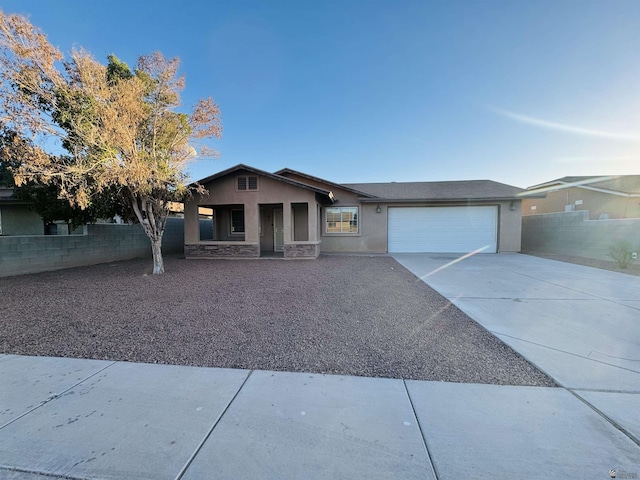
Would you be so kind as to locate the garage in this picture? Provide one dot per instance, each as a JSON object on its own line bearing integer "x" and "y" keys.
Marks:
{"x": 443, "y": 229}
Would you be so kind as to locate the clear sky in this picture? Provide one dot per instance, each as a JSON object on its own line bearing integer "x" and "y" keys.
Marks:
{"x": 520, "y": 92}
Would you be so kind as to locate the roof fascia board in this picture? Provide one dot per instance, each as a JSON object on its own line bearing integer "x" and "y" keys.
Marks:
{"x": 438, "y": 200}
{"x": 605, "y": 190}
{"x": 565, "y": 185}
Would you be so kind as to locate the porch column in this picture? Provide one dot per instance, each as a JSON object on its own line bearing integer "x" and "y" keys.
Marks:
{"x": 191, "y": 221}
{"x": 286, "y": 222}
{"x": 312, "y": 209}
{"x": 252, "y": 222}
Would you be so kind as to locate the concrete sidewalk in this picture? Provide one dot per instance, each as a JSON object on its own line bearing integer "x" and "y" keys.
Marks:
{"x": 86, "y": 419}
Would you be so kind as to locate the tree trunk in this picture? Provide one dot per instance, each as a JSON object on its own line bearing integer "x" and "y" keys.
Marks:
{"x": 158, "y": 262}
{"x": 153, "y": 221}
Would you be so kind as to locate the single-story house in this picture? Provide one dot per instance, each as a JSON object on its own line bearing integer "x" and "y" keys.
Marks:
{"x": 250, "y": 213}
{"x": 603, "y": 197}
{"x": 17, "y": 217}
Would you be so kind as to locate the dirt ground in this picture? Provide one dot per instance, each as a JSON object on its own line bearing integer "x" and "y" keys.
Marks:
{"x": 633, "y": 269}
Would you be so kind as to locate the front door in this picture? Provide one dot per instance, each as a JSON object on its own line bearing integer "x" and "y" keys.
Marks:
{"x": 278, "y": 230}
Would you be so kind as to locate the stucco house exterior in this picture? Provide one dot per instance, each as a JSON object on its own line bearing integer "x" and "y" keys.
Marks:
{"x": 251, "y": 213}
{"x": 16, "y": 217}
{"x": 611, "y": 197}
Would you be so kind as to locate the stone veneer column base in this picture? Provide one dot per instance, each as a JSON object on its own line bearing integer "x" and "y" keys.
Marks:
{"x": 226, "y": 250}
{"x": 302, "y": 250}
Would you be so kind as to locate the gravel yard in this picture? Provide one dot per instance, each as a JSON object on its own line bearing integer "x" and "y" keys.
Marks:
{"x": 632, "y": 269}
{"x": 351, "y": 315}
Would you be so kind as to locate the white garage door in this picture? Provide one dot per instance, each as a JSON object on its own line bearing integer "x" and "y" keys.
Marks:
{"x": 442, "y": 229}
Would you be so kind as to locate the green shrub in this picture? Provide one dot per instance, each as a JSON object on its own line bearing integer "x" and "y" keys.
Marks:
{"x": 622, "y": 252}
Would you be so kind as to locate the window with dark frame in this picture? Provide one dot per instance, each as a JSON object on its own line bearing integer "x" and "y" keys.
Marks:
{"x": 237, "y": 221}
{"x": 247, "y": 183}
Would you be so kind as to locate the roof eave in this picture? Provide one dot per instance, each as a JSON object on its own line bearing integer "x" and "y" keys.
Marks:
{"x": 438, "y": 200}
{"x": 318, "y": 179}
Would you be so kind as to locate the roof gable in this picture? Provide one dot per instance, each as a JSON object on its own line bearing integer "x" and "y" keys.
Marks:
{"x": 241, "y": 167}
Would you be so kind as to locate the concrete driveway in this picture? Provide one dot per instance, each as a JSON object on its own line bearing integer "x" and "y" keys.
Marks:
{"x": 580, "y": 325}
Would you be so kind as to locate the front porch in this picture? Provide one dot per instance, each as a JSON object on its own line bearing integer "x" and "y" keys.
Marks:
{"x": 263, "y": 230}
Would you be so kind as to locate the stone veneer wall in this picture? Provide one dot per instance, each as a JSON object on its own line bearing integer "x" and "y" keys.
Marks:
{"x": 101, "y": 243}
{"x": 572, "y": 233}
{"x": 302, "y": 250}
{"x": 222, "y": 250}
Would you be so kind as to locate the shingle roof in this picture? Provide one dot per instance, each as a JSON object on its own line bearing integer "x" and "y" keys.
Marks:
{"x": 438, "y": 191}
{"x": 285, "y": 171}
{"x": 397, "y": 191}
{"x": 7, "y": 197}
{"x": 629, "y": 184}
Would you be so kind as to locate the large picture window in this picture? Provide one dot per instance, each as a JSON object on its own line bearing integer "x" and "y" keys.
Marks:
{"x": 341, "y": 220}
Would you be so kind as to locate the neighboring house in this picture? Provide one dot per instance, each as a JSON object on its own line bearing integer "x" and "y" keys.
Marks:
{"x": 253, "y": 213}
{"x": 16, "y": 217}
{"x": 604, "y": 197}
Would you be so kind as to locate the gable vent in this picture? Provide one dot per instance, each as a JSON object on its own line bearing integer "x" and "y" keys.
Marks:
{"x": 247, "y": 183}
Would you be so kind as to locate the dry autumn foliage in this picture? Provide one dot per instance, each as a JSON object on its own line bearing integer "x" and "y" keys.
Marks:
{"x": 118, "y": 128}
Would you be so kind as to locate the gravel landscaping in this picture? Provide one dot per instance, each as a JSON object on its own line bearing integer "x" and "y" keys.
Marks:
{"x": 353, "y": 315}
{"x": 632, "y": 269}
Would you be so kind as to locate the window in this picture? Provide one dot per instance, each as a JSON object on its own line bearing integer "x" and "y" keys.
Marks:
{"x": 341, "y": 219}
{"x": 247, "y": 183}
{"x": 237, "y": 221}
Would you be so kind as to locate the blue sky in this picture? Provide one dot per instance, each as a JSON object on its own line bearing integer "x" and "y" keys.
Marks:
{"x": 372, "y": 91}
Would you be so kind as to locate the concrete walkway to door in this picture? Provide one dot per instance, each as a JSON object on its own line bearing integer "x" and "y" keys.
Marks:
{"x": 580, "y": 325}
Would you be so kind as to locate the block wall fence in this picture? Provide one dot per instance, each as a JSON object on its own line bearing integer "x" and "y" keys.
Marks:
{"x": 100, "y": 243}
{"x": 572, "y": 233}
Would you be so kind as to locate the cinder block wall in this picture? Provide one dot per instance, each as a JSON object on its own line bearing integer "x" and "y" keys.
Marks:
{"x": 102, "y": 243}
{"x": 572, "y": 233}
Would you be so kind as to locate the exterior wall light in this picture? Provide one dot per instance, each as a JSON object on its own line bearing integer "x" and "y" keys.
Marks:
{"x": 512, "y": 206}
{"x": 378, "y": 209}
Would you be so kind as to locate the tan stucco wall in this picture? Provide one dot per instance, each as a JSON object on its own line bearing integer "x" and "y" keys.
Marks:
{"x": 223, "y": 191}
{"x": 372, "y": 234}
{"x": 509, "y": 227}
{"x": 595, "y": 202}
{"x": 373, "y": 228}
